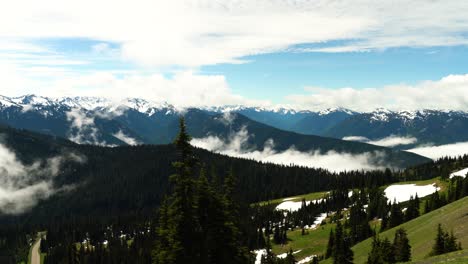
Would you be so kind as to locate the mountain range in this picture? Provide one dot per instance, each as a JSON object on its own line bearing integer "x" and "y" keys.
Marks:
{"x": 100, "y": 121}
{"x": 152, "y": 122}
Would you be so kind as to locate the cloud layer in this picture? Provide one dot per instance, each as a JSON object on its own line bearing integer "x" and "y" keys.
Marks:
{"x": 390, "y": 141}
{"x": 236, "y": 146}
{"x": 127, "y": 139}
{"x": 435, "y": 152}
{"x": 212, "y": 32}
{"x": 150, "y": 38}
{"x": 23, "y": 186}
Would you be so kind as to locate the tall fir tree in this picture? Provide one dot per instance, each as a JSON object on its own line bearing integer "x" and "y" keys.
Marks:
{"x": 439, "y": 245}
{"x": 330, "y": 245}
{"x": 401, "y": 246}
{"x": 180, "y": 243}
{"x": 342, "y": 253}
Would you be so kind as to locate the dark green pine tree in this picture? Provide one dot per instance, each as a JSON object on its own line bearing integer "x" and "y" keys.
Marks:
{"x": 439, "y": 245}
{"x": 179, "y": 242}
{"x": 358, "y": 222}
{"x": 396, "y": 215}
{"x": 342, "y": 253}
{"x": 375, "y": 255}
{"x": 387, "y": 249}
{"x": 444, "y": 242}
{"x": 451, "y": 243}
{"x": 198, "y": 224}
{"x": 381, "y": 252}
{"x": 231, "y": 242}
{"x": 330, "y": 245}
{"x": 224, "y": 236}
{"x": 412, "y": 211}
{"x": 401, "y": 246}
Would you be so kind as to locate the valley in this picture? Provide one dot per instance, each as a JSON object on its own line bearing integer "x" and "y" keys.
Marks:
{"x": 233, "y": 132}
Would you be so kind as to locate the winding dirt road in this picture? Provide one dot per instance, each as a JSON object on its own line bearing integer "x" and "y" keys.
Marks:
{"x": 35, "y": 256}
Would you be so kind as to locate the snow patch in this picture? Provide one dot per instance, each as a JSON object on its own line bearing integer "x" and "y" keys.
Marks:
{"x": 258, "y": 255}
{"x": 306, "y": 260}
{"x": 461, "y": 173}
{"x": 294, "y": 206}
{"x": 402, "y": 192}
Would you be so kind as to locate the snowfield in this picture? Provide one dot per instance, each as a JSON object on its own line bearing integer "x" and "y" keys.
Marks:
{"x": 293, "y": 206}
{"x": 402, "y": 192}
{"x": 461, "y": 173}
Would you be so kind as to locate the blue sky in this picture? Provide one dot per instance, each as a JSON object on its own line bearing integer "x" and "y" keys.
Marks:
{"x": 283, "y": 73}
{"x": 303, "y": 54}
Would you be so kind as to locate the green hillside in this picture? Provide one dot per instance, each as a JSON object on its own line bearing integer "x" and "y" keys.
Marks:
{"x": 457, "y": 257}
{"x": 422, "y": 231}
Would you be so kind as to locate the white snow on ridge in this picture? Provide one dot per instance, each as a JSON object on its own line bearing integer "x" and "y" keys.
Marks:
{"x": 402, "y": 192}
{"x": 290, "y": 205}
{"x": 294, "y": 206}
{"x": 461, "y": 173}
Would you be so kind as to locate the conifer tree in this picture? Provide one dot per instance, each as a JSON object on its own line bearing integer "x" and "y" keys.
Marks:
{"x": 412, "y": 211}
{"x": 330, "y": 245}
{"x": 381, "y": 252}
{"x": 444, "y": 242}
{"x": 342, "y": 253}
{"x": 401, "y": 247}
{"x": 439, "y": 244}
{"x": 198, "y": 224}
{"x": 180, "y": 241}
{"x": 396, "y": 215}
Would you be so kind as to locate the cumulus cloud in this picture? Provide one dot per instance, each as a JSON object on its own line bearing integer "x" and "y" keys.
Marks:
{"x": 436, "y": 152}
{"x": 237, "y": 146}
{"x": 82, "y": 128}
{"x": 221, "y": 32}
{"x": 127, "y": 139}
{"x": 390, "y": 141}
{"x": 446, "y": 93}
{"x": 226, "y": 31}
{"x": 23, "y": 186}
{"x": 197, "y": 90}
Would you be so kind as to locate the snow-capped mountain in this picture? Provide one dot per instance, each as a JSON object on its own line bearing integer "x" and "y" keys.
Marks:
{"x": 104, "y": 121}
{"x": 427, "y": 126}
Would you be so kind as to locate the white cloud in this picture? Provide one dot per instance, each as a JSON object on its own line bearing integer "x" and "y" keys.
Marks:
{"x": 193, "y": 33}
{"x": 236, "y": 146}
{"x": 356, "y": 138}
{"x": 435, "y": 152}
{"x": 183, "y": 35}
{"x": 22, "y": 186}
{"x": 128, "y": 140}
{"x": 182, "y": 89}
{"x": 446, "y": 93}
{"x": 82, "y": 128}
{"x": 390, "y": 141}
